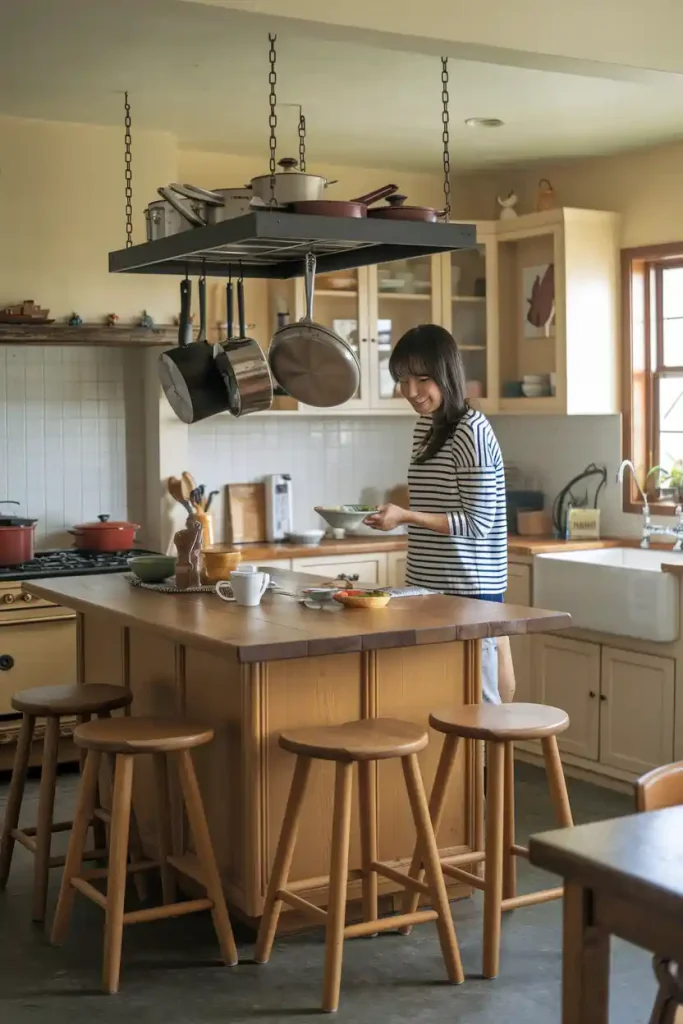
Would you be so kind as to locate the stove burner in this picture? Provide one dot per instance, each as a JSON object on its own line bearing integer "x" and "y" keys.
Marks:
{"x": 69, "y": 563}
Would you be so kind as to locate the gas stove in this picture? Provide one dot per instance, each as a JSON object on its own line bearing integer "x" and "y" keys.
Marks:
{"x": 68, "y": 562}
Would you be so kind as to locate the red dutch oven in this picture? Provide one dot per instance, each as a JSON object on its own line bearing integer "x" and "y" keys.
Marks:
{"x": 104, "y": 535}
{"x": 17, "y": 538}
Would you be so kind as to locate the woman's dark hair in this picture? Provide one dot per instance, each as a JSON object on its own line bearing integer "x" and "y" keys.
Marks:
{"x": 431, "y": 351}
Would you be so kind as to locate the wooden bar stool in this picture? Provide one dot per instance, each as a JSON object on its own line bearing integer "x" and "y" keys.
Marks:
{"x": 500, "y": 726}
{"x": 52, "y": 703}
{"x": 362, "y": 742}
{"x": 125, "y": 738}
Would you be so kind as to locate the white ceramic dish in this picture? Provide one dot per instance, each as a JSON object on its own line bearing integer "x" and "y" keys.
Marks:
{"x": 344, "y": 517}
{"x": 535, "y": 390}
{"x": 307, "y": 538}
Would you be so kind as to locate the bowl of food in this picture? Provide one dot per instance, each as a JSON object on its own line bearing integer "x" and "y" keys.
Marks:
{"x": 363, "y": 598}
{"x": 152, "y": 568}
{"x": 345, "y": 517}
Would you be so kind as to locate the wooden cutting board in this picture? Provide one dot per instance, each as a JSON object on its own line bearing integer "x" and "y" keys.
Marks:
{"x": 245, "y": 506}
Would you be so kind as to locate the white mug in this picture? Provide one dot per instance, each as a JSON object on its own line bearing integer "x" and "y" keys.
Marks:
{"x": 247, "y": 588}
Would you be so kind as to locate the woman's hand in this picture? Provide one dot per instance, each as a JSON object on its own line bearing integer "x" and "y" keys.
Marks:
{"x": 387, "y": 517}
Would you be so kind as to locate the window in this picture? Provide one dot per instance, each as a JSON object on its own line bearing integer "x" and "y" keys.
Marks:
{"x": 652, "y": 283}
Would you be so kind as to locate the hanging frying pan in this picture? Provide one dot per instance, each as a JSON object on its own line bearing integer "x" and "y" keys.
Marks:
{"x": 242, "y": 364}
{"x": 343, "y": 207}
{"x": 311, "y": 362}
{"x": 397, "y": 210}
{"x": 188, "y": 374}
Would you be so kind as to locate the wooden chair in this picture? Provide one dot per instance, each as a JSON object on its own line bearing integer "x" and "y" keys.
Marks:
{"x": 51, "y": 703}
{"x": 125, "y": 738}
{"x": 362, "y": 743}
{"x": 499, "y": 726}
{"x": 663, "y": 787}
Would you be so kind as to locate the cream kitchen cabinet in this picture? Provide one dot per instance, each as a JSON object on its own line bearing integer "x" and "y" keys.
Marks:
{"x": 369, "y": 568}
{"x": 636, "y": 710}
{"x": 567, "y": 676}
{"x": 396, "y": 568}
{"x": 519, "y": 592}
{"x": 36, "y": 653}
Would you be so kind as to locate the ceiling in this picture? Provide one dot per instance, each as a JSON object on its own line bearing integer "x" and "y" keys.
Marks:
{"x": 200, "y": 72}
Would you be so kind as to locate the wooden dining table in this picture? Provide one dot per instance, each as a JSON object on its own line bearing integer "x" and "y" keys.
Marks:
{"x": 622, "y": 877}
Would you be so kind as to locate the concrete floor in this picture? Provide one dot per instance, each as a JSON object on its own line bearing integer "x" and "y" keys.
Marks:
{"x": 170, "y": 974}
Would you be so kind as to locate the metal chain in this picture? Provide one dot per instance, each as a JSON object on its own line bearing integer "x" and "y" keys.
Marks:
{"x": 272, "y": 117}
{"x": 302, "y": 142}
{"x": 128, "y": 174}
{"x": 446, "y": 139}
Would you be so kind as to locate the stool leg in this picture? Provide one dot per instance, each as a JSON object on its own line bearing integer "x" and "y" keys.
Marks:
{"x": 436, "y": 805}
{"x": 83, "y": 753}
{"x": 339, "y": 871}
{"x": 77, "y": 840}
{"x": 46, "y": 803}
{"x": 135, "y": 851}
{"x": 283, "y": 859}
{"x": 16, "y": 792}
{"x": 509, "y": 861}
{"x": 117, "y": 877}
{"x": 556, "y": 782}
{"x": 493, "y": 892}
{"x": 163, "y": 795}
{"x": 367, "y": 806}
{"x": 207, "y": 860}
{"x": 429, "y": 855}
{"x": 99, "y": 829}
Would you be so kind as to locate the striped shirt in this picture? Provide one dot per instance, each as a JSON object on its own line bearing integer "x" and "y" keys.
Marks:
{"x": 466, "y": 481}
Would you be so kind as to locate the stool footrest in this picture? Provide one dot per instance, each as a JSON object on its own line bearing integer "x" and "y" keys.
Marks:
{"x": 321, "y": 881}
{"x": 59, "y": 860}
{"x": 388, "y": 924}
{"x": 167, "y": 910}
{"x": 471, "y": 857}
{"x": 532, "y": 898}
{"x": 520, "y": 851}
{"x": 398, "y": 876}
{"x": 90, "y": 891}
{"x": 98, "y": 873}
{"x": 58, "y": 826}
{"x": 463, "y": 876}
{"x": 297, "y": 903}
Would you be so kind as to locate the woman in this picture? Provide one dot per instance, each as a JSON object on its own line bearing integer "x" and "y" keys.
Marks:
{"x": 457, "y": 524}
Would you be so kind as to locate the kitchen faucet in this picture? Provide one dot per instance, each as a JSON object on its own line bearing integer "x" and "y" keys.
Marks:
{"x": 649, "y": 528}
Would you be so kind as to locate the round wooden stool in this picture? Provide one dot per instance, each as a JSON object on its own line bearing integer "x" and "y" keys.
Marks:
{"x": 500, "y": 726}
{"x": 125, "y": 738}
{"x": 362, "y": 742}
{"x": 50, "y": 702}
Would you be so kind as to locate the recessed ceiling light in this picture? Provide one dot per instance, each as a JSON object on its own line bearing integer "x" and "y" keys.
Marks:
{"x": 484, "y": 122}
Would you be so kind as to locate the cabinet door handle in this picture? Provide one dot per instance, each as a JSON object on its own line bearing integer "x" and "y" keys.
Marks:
{"x": 592, "y": 694}
{"x": 6, "y": 662}
{"x": 603, "y": 697}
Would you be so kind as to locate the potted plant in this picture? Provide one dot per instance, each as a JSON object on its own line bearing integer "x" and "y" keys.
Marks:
{"x": 668, "y": 483}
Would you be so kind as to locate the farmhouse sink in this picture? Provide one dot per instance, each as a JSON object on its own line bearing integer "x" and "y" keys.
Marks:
{"x": 612, "y": 590}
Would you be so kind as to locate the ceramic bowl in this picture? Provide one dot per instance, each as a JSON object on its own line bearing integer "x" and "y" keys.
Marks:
{"x": 152, "y": 568}
{"x": 344, "y": 517}
{"x": 362, "y": 599}
{"x": 321, "y": 595}
{"x": 535, "y": 390}
{"x": 306, "y": 538}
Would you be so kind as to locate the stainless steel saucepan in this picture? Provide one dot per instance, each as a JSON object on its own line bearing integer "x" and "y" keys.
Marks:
{"x": 242, "y": 364}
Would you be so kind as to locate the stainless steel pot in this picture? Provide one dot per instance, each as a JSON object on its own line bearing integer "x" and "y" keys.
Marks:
{"x": 243, "y": 364}
{"x": 221, "y": 203}
{"x": 291, "y": 186}
{"x": 168, "y": 216}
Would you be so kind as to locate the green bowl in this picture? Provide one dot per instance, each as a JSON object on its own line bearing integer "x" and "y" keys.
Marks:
{"x": 152, "y": 568}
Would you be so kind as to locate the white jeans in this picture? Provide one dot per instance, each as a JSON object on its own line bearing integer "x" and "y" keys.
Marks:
{"x": 489, "y": 671}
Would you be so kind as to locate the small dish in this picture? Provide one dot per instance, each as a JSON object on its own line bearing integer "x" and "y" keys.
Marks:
{"x": 306, "y": 538}
{"x": 319, "y": 594}
{"x": 362, "y": 598}
{"x": 152, "y": 568}
{"x": 535, "y": 390}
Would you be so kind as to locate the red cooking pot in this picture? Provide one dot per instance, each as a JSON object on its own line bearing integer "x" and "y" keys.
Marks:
{"x": 17, "y": 537}
{"x": 105, "y": 535}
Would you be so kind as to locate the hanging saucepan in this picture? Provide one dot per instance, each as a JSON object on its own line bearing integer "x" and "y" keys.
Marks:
{"x": 397, "y": 210}
{"x": 291, "y": 186}
{"x": 242, "y": 364}
{"x": 168, "y": 216}
{"x": 221, "y": 203}
{"x": 311, "y": 362}
{"x": 341, "y": 207}
{"x": 188, "y": 374}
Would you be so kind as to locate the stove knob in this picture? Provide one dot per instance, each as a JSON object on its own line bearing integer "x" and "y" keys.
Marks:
{"x": 9, "y": 599}
{"x": 6, "y": 662}
{"x": 27, "y": 597}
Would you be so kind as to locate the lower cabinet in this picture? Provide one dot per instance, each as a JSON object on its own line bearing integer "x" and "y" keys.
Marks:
{"x": 370, "y": 568}
{"x": 38, "y": 653}
{"x": 396, "y": 568}
{"x": 519, "y": 592}
{"x": 620, "y": 703}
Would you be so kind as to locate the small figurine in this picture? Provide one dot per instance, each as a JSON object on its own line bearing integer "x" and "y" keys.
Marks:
{"x": 189, "y": 545}
{"x": 111, "y": 319}
{"x": 545, "y": 198}
{"x": 75, "y": 320}
{"x": 146, "y": 320}
{"x": 507, "y": 205}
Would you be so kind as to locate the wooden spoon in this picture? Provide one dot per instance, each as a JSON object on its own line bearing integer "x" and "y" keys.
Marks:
{"x": 177, "y": 489}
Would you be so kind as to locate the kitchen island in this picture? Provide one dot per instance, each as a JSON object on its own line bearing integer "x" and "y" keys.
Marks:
{"x": 251, "y": 672}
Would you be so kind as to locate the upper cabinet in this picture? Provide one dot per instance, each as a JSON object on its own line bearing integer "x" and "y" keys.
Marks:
{"x": 533, "y": 308}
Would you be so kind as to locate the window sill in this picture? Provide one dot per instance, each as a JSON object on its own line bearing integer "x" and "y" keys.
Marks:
{"x": 657, "y": 508}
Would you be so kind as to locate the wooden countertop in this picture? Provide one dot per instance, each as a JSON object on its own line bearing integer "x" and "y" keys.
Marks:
{"x": 281, "y": 628}
{"x": 349, "y": 546}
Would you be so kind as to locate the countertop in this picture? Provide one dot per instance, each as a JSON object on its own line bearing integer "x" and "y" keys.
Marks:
{"x": 280, "y": 627}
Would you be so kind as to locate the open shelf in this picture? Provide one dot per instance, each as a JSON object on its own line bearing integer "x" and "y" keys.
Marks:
{"x": 99, "y": 335}
{"x": 468, "y": 298}
{"x": 333, "y": 293}
{"x": 405, "y": 296}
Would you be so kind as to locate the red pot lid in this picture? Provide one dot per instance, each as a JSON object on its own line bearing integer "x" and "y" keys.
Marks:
{"x": 105, "y": 523}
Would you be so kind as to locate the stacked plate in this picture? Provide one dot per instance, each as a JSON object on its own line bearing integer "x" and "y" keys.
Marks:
{"x": 536, "y": 385}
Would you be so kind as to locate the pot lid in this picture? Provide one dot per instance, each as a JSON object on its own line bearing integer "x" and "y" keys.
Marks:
{"x": 16, "y": 521}
{"x": 105, "y": 523}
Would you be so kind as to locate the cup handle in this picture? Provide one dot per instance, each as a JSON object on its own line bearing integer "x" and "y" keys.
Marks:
{"x": 224, "y": 597}
{"x": 266, "y": 581}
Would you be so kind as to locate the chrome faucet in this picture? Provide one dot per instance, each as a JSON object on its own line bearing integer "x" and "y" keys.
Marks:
{"x": 649, "y": 528}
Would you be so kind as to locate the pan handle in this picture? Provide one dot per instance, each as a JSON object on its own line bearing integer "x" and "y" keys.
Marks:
{"x": 195, "y": 192}
{"x": 229, "y": 309}
{"x": 185, "y": 301}
{"x": 189, "y": 215}
{"x": 202, "y": 309}
{"x": 309, "y": 280}
{"x": 240, "y": 307}
{"x": 374, "y": 197}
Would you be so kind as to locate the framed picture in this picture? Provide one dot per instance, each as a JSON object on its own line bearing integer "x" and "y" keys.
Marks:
{"x": 538, "y": 300}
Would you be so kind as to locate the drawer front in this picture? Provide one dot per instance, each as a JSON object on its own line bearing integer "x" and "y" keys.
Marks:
{"x": 369, "y": 568}
{"x": 13, "y": 600}
{"x": 41, "y": 653}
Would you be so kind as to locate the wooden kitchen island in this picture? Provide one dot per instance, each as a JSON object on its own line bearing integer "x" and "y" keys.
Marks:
{"x": 251, "y": 672}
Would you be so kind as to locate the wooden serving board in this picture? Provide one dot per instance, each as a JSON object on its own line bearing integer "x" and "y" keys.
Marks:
{"x": 245, "y": 506}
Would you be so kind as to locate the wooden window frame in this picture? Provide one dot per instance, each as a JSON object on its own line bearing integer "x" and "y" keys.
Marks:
{"x": 640, "y": 395}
